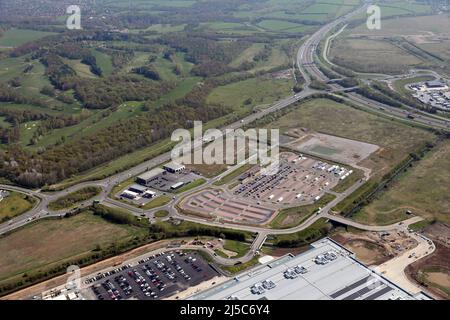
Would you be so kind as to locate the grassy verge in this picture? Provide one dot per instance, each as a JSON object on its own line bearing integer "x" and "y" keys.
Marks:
{"x": 158, "y": 202}
{"x": 161, "y": 214}
{"x": 240, "y": 266}
{"x": 118, "y": 165}
{"x": 220, "y": 253}
{"x": 15, "y": 204}
{"x": 292, "y": 217}
{"x": 419, "y": 226}
{"x": 349, "y": 181}
{"x": 316, "y": 231}
{"x": 241, "y": 248}
{"x": 171, "y": 229}
{"x": 72, "y": 199}
{"x": 190, "y": 185}
{"x": 232, "y": 175}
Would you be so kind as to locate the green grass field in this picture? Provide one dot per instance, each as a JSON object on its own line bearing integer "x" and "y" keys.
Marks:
{"x": 15, "y": 204}
{"x": 50, "y": 242}
{"x": 158, "y": 202}
{"x": 395, "y": 39}
{"x": 233, "y": 175}
{"x": 422, "y": 189}
{"x": 241, "y": 248}
{"x": 234, "y": 269}
{"x": 104, "y": 62}
{"x": 191, "y": 185}
{"x": 161, "y": 214}
{"x": 292, "y": 217}
{"x": 16, "y": 37}
{"x": 261, "y": 91}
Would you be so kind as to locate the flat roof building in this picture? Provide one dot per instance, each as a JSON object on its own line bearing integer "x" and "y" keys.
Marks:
{"x": 174, "y": 167}
{"x": 129, "y": 194}
{"x": 327, "y": 271}
{"x": 177, "y": 185}
{"x": 137, "y": 188}
{"x": 436, "y": 85}
{"x": 148, "y": 176}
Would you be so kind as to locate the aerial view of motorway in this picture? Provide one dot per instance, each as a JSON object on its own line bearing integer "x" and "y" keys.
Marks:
{"x": 193, "y": 150}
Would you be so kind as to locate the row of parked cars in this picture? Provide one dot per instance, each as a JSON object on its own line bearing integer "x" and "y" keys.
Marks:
{"x": 106, "y": 274}
{"x": 144, "y": 285}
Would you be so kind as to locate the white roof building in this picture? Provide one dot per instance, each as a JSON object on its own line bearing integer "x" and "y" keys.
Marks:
{"x": 327, "y": 271}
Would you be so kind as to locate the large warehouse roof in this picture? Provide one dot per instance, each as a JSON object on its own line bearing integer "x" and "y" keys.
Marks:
{"x": 326, "y": 271}
{"x": 151, "y": 174}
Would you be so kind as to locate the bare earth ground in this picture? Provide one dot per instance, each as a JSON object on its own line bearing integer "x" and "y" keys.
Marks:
{"x": 375, "y": 248}
{"x": 338, "y": 149}
{"x": 433, "y": 271}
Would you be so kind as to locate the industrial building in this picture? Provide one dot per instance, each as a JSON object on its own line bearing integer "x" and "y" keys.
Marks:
{"x": 436, "y": 85}
{"x": 147, "y": 177}
{"x": 137, "y": 188}
{"x": 174, "y": 167}
{"x": 327, "y": 271}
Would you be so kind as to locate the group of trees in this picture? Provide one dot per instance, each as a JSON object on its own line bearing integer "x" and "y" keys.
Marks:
{"x": 9, "y": 94}
{"x": 125, "y": 136}
{"x": 211, "y": 57}
{"x": 149, "y": 71}
{"x": 112, "y": 91}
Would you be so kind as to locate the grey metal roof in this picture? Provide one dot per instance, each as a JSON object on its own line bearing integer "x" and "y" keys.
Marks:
{"x": 174, "y": 166}
{"x": 343, "y": 278}
{"x": 151, "y": 174}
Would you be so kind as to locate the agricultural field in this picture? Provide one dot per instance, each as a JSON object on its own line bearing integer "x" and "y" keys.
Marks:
{"x": 406, "y": 45}
{"x": 422, "y": 189}
{"x": 38, "y": 245}
{"x": 371, "y": 56}
{"x": 396, "y": 140}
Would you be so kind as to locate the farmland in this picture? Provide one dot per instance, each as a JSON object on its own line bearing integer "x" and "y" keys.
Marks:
{"x": 422, "y": 189}
{"x": 400, "y": 39}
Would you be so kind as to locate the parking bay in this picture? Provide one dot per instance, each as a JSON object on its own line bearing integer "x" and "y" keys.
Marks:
{"x": 155, "y": 277}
